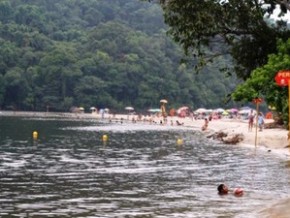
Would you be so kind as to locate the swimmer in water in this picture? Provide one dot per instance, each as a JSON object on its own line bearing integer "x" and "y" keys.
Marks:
{"x": 223, "y": 190}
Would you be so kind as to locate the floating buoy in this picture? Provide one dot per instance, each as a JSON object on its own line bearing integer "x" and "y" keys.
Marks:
{"x": 105, "y": 138}
{"x": 179, "y": 141}
{"x": 35, "y": 135}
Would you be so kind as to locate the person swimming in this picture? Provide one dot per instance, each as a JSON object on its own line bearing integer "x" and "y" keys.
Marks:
{"x": 223, "y": 190}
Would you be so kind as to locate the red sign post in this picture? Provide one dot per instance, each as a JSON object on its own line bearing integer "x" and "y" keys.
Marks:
{"x": 257, "y": 100}
{"x": 282, "y": 78}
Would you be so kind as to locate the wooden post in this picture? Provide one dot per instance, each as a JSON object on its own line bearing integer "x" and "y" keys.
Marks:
{"x": 257, "y": 113}
{"x": 257, "y": 101}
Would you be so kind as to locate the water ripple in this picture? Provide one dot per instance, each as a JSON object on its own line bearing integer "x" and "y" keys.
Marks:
{"x": 139, "y": 172}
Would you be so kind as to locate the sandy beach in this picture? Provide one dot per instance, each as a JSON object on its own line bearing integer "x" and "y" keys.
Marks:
{"x": 274, "y": 139}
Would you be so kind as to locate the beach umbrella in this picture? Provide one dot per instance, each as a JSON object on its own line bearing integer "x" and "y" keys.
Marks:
{"x": 245, "y": 108}
{"x": 81, "y": 109}
{"x": 74, "y": 110}
{"x": 219, "y": 110}
{"x": 245, "y": 111}
{"x": 183, "y": 108}
{"x": 163, "y": 101}
{"x": 92, "y": 108}
{"x": 201, "y": 110}
{"x": 233, "y": 110}
{"x": 225, "y": 113}
{"x": 129, "y": 108}
{"x": 208, "y": 111}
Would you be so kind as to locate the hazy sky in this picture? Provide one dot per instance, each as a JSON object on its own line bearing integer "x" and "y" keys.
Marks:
{"x": 276, "y": 13}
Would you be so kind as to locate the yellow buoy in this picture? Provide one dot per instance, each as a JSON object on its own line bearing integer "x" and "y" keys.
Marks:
{"x": 105, "y": 138}
{"x": 35, "y": 135}
{"x": 179, "y": 141}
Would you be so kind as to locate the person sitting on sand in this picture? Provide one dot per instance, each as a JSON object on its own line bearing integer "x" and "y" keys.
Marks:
{"x": 204, "y": 127}
{"x": 223, "y": 190}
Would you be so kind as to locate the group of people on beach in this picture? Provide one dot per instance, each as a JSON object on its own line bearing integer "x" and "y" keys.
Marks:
{"x": 259, "y": 118}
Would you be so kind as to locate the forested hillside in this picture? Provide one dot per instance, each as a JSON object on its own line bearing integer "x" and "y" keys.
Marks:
{"x": 106, "y": 53}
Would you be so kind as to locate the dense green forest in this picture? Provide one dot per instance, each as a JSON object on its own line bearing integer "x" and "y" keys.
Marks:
{"x": 105, "y": 53}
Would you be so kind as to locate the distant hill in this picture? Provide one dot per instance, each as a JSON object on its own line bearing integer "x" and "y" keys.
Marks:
{"x": 111, "y": 53}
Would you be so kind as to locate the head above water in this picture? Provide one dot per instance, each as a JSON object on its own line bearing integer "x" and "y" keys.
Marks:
{"x": 222, "y": 189}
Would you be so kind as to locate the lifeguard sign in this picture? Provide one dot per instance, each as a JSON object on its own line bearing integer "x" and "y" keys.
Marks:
{"x": 257, "y": 100}
{"x": 282, "y": 78}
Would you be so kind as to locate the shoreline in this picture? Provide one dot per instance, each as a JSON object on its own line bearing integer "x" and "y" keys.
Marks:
{"x": 274, "y": 139}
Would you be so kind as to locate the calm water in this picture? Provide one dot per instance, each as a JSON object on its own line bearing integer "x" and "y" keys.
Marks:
{"x": 139, "y": 172}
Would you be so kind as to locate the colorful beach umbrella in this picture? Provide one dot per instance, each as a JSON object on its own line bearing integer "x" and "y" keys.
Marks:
{"x": 129, "y": 108}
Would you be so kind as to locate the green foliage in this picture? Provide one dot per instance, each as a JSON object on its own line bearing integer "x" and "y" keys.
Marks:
{"x": 208, "y": 29}
{"x": 114, "y": 53}
{"x": 262, "y": 81}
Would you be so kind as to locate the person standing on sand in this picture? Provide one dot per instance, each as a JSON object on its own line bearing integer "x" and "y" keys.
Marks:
{"x": 260, "y": 121}
{"x": 251, "y": 120}
{"x": 164, "y": 114}
{"x": 204, "y": 127}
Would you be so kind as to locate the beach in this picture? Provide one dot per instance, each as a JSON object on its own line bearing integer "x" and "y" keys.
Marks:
{"x": 272, "y": 139}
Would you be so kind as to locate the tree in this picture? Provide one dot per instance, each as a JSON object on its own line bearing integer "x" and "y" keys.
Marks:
{"x": 199, "y": 26}
{"x": 16, "y": 87}
{"x": 262, "y": 83}
{"x": 104, "y": 53}
{"x": 90, "y": 90}
{"x": 57, "y": 74}
{"x": 2, "y": 90}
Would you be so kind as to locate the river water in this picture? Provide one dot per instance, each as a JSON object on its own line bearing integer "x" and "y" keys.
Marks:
{"x": 141, "y": 171}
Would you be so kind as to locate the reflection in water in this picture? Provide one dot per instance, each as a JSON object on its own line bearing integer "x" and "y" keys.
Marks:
{"x": 139, "y": 172}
